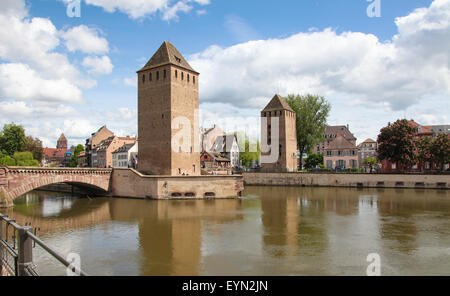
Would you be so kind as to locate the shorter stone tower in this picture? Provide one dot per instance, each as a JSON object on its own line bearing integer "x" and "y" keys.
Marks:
{"x": 287, "y": 156}
{"x": 62, "y": 142}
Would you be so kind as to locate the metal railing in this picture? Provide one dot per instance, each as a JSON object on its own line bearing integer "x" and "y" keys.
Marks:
{"x": 16, "y": 250}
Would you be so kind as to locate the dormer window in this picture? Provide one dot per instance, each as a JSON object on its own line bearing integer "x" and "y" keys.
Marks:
{"x": 177, "y": 59}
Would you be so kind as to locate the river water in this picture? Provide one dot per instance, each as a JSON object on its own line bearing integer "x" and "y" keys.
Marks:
{"x": 270, "y": 231}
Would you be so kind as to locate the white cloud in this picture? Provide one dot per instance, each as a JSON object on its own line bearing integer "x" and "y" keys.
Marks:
{"x": 97, "y": 65}
{"x": 353, "y": 65}
{"x": 137, "y": 9}
{"x": 201, "y": 11}
{"x": 172, "y": 12}
{"x": 20, "y": 82}
{"x": 130, "y": 81}
{"x": 85, "y": 39}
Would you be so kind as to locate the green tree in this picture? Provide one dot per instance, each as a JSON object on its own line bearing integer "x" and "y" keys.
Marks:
{"x": 313, "y": 160}
{"x": 245, "y": 155}
{"x": 34, "y": 145}
{"x": 440, "y": 150}
{"x": 7, "y": 160}
{"x": 424, "y": 147}
{"x": 371, "y": 162}
{"x": 25, "y": 159}
{"x": 74, "y": 160}
{"x": 13, "y": 139}
{"x": 396, "y": 143}
{"x": 312, "y": 112}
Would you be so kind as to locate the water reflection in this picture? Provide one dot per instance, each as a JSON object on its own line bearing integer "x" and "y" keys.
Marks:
{"x": 271, "y": 231}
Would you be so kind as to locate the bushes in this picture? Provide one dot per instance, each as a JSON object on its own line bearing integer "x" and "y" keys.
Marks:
{"x": 19, "y": 159}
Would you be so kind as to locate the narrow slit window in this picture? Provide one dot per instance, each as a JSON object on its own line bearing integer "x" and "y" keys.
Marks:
{"x": 157, "y": 75}
{"x": 176, "y": 74}
{"x": 150, "y": 77}
{"x": 143, "y": 78}
{"x": 165, "y": 75}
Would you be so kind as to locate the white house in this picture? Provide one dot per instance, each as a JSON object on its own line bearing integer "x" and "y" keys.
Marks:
{"x": 228, "y": 147}
{"x": 125, "y": 156}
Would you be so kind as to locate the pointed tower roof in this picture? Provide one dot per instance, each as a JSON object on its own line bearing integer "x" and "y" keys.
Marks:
{"x": 278, "y": 103}
{"x": 62, "y": 137}
{"x": 167, "y": 54}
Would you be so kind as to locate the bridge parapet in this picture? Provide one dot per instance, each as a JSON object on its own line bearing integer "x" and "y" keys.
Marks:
{"x": 16, "y": 181}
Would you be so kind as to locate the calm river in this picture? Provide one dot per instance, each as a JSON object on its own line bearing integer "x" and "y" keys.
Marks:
{"x": 270, "y": 231}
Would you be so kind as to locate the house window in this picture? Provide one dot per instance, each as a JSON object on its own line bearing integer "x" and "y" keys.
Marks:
{"x": 179, "y": 149}
{"x": 394, "y": 166}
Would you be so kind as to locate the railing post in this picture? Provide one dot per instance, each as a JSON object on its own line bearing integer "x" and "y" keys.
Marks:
{"x": 1, "y": 237}
{"x": 24, "y": 250}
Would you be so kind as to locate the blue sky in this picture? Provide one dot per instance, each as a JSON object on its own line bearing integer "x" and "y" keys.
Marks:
{"x": 372, "y": 70}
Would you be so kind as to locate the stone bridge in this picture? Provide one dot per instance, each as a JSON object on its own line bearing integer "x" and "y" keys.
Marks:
{"x": 16, "y": 181}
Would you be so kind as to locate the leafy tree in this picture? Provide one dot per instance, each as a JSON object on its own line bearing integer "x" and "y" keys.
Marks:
{"x": 7, "y": 160}
{"x": 396, "y": 143}
{"x": 313, "y": 160}
{"x": 424, "y": 147}
{"x": 312, "y": 112}
{"x": 370, "y": 161}
{"x": 440, "y": 150}
{"x": 245, "y": 155}
{"x": 25, "y": 159}
{"x": 13, "y": 138}
{"x": 74, "y": 160}
{"x": 34, "y": 145}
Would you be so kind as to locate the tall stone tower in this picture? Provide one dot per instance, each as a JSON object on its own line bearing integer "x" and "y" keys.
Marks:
{"x": 62, "y": 142}
{"x": 287, "y": 157}
{"x": 167, "y": 90}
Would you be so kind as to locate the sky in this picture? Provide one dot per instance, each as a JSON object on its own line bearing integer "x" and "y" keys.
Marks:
{"x": 67, "y": 72}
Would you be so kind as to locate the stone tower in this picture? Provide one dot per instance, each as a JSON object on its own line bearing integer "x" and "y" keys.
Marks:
{"x": 287, "y": 158}
{"x": 62, "y": 142}
{"x": 167, "y": 90}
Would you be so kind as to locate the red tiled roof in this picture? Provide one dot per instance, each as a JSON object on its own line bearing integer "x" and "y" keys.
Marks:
{"x": 54, "y": 152}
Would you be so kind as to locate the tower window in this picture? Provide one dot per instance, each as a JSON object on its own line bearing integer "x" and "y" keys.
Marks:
{"x": 182, "y": 75}
{"x": 157, "y": 75}
{"x": 176, "y": 74}
{"x": 143, "y": 78}
{"x": 193, "y": 79}
{"x": 165, "y": 74}
{"x": 179, "y": 149}
{"x": 150, "y": 76}
{"x": 188, "y": 78}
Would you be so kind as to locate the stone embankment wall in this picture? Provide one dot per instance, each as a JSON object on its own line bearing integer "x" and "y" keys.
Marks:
{"x": 130, "y": 183}
{"x": 349, "y": 180}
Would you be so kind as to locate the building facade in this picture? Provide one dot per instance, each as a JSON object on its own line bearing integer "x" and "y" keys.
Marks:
{"x": 209, "y": 136}
{"x": 107, "y": 147}
{"x": 228, "y": 147}
{"x": 93, "y": 142}
{"x": 340, "y": 154}
{"x": 367, "y": 149}
{"x": 56, "y": 156}
{"x": 331, "y": 133}
{"x": 167, "y": 98}
{"x": 124, "y": 156}
{"x": 287, "y": 151}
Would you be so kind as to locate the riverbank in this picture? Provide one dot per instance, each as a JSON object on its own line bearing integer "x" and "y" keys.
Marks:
{"x": 348, "y": 180}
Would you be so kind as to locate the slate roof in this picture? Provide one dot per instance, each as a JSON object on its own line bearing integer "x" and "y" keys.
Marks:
{"x": 278, "y": 103}
{"x": 339, "y": 129}
{"x": 124, "y": 148}
{"x": 340, "y": 143}
{"x": 167, "y": 54}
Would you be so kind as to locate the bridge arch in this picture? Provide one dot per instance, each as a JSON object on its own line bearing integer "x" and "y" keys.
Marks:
{"x": 16, "y": 181}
